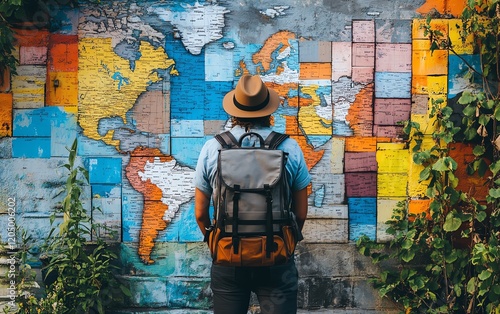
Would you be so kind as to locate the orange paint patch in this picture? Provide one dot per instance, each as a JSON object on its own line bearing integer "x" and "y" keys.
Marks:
{"x": 315, "y": 71}
{"x": 292, "y": 125}
{"x": 360, "y": 114}
{"x": 63, "y": 54}
{"x": 419, "y": 85}
{"x": 430, "y": 63}
{"x": 304, "y": 102}
{"x": 279, "y": 40}
{"x": 311, "y": 156}
{"x": 360, "y": 144}
{"x": 418, "y": 27}
{"x": 473, "y": 185}
{"x": 5, "y": 115}
{"x": 453, "y": 7}
{"x": 31, "y": 38}
{"x": 283, "y": 91}
{"x": 152, "y": 224}
{"x": 417, "y": 207}
{"x": 154, "y": 208}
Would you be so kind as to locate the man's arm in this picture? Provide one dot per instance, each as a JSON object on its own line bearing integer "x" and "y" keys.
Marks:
{"x": 201, "y": 205}
{"x": 300, "y": 206}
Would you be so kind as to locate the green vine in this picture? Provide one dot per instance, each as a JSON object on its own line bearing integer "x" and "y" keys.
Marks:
{"x": 447, "y": 260}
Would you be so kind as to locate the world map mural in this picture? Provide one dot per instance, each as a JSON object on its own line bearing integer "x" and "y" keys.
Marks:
{"x": 140, "y": 85}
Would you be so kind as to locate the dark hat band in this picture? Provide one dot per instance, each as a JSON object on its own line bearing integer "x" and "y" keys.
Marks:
{"x": 260, "y": 106}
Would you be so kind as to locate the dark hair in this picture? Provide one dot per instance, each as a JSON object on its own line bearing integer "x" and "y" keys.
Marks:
{"x": 247, "y": 123}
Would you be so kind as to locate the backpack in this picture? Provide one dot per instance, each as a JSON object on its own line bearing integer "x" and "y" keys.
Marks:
{"x": 254, "y": 224}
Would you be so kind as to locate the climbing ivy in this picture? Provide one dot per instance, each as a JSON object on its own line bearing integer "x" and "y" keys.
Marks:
{"x": 447, "y": 259}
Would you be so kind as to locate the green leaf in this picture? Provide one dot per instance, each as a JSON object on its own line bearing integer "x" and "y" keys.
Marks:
{"x": 420, "y": 158}
{"x": 495, "y": 167}
{"x": 470, "y": 133}
{"x": 479, "y": 150}
{"x": 466, "y": 98}
{"x": 438, "y": 243}
{"x": 451, "y": 257}
{"x": 489, "y": 104}
{"x": 452, "y": 223}
{"x": 425, "y": 173}
{"x": 453, "y": 180}
{"x": 407, "y": 255}
{"x": 453, "y": 194}
{"x": 440, "y": 165}
{"x": 407, "y": 244}
{"x": 497, "y": 113}
{"x": 435, "y": 206}
{"x": 445, "y": 164}
{"x": 484, "y": 119}
{"x": 470, "y": 111}
{"x": 471, "y": 285}
{"x": 417, "y": 283}
{"x": 496, "y": 289}
{"x": 457, "y": 289}
{"x": 482, "y": 168}
{"x": 495, "y": 193}
{"x": 481, "y": 216}
{"x": 485, "y": 274}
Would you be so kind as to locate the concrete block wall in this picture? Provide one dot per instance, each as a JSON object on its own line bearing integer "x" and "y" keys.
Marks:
{"x": 333, "y": 278}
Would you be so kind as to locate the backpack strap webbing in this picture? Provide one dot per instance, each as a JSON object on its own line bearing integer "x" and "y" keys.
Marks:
{"x": 269, "y": 221}
{"x": 236, "y": 198}
{"x": 275, "y": 139}
{"x": 227, "y": 140}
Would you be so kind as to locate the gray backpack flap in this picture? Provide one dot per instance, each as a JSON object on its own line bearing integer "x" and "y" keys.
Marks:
{"x": 251, "y": 200}
{"x": 254, "y": 174}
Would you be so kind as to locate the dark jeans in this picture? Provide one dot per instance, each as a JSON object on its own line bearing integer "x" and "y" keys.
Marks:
{"x": 275, "y": 287}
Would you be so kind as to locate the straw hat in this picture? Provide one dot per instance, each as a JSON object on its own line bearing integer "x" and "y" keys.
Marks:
{"x": 251, "y": 99}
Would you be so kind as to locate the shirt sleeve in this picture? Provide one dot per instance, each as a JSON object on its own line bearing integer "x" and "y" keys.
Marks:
{"x": 303, "y": 178}
{"x": 201, "y": 180}
{"x": 296, "y": 166}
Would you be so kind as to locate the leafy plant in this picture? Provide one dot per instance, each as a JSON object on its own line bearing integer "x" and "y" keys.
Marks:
{"x": 447, "y": 259}
{"x": 79, "y": 274}
{"x": 7, "y": 60}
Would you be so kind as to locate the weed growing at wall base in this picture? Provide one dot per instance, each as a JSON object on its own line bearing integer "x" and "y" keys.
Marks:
{"x": 79, "y": 275}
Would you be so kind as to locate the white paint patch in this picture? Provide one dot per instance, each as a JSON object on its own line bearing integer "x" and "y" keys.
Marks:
{"x": 275, "y": 11}
{"x": 175, "y": 182}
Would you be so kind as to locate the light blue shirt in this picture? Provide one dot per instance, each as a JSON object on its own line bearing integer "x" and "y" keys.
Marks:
{"x": 206, "y": 168}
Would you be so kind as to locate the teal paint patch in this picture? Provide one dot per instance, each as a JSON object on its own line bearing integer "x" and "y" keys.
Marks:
{"x": 31, "y": 147}
{"x": 106, "y": 191}
{"x": 90, "y": 147}
{"x": 187, "y": 150}
{"x": 171, "y": 260}
{"x": 31, "y": 122}
{"x": 392, "y": 85}
{"x": 183, "y": 227}
{"x": 104, "y": 170}
{"x": 362, "y": 217}
{"x": 197, "y": 289}
{"x": 147, "y": 291}
{"x": 40, "y": 122}
{"x": 63, "y": 134}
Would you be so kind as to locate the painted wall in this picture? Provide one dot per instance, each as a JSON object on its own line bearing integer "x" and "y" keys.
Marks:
{"x": 140, "y": 84}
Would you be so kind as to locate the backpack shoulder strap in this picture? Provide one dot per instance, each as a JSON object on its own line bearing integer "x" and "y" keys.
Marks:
{"x": 274, "y": 139}
{"x": 227, "y": 140}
